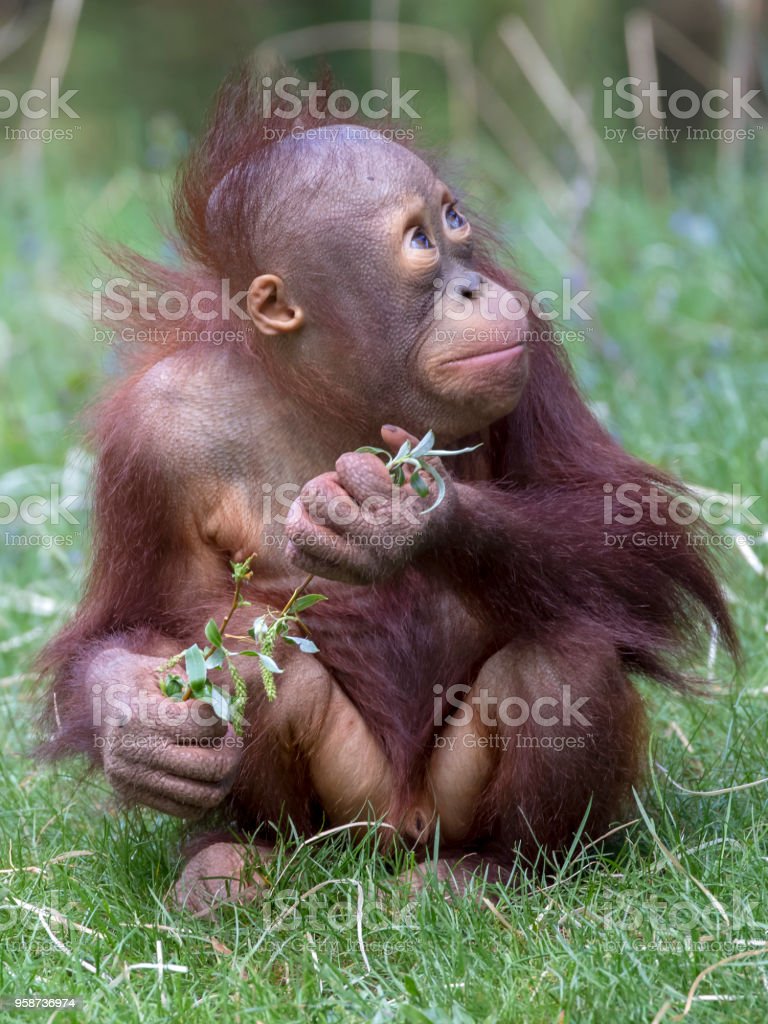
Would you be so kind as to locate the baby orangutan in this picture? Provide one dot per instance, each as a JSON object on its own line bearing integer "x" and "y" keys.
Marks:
{"x": 475, "y": 655}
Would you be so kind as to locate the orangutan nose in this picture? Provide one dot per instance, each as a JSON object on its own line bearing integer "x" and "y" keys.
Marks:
{"x": 469, "y": 284}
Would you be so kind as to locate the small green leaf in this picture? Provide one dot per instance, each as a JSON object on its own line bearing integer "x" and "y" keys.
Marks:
{"x": 369, "y": 450}
{"x": 220, "y": 703}
{"x": 200, "y": 689}
{"x": 270, "y": 664}
{"x": 306, "y": 601}
{"x": 403, "y": 450}
{"x": 194, "y": 662}
{"x": 440, "y": 487}
{"x": 213, "y": 634}
{"x": 241, "y": 569}
{"x": 172, "y": 686}
{"x": 424, "y": 446}
{"x": 259, "y": 628}
{"x": 215, "y": 659}
{"x": 420, "y": 485}
{"x": 303, "y": 643}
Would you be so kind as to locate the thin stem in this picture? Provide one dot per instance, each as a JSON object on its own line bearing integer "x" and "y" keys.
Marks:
{"x": 236, "y": 598}
{"x": 295, "y": 594}
{"x": 302, "y": 586}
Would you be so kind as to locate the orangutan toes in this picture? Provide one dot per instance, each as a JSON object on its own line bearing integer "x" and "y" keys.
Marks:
{"x": 221, "y": 874}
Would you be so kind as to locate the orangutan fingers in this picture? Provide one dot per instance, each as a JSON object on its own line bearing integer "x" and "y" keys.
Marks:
{"x": 308, "y": 521}
{"x": 155, "y": 802}
{"x": 318, "y": 549}
{"x": 363, "y": 475}
{"x": 150, "y": 713}
{"x": 217, "y": 763}
{"x": 138, "y": 782}
{"x": 460, "y": 874}
{"x": 324, "y": 500}
{"x": 328, "y": 560}
{"x": 328, "y": 511}
{"x": 359, "y": 501}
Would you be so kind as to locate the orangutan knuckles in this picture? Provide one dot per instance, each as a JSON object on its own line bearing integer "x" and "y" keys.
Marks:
{"x": 356, "y": 525}
{"x": 177, "y": 757}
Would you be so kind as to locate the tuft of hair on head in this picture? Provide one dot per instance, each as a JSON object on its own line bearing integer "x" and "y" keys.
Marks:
{"x": 235, "y": 172}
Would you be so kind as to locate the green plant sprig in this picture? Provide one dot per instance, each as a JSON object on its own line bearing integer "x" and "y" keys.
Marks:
{"x": 266, "y": 631}
{"x": 415, "y": 456}
{"x": 270, "y": 627}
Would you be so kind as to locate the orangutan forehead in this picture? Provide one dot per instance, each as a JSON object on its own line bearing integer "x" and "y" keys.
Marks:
{"x": 360, "y": 165}
{"x": 332, "y": 170}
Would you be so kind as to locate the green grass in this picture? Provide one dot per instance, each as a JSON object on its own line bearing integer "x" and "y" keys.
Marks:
{"x": 677, "y": 367}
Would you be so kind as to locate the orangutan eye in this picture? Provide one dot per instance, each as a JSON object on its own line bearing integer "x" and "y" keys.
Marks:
{"x": 453, "y": 218}
{"x": 420, "y": 239}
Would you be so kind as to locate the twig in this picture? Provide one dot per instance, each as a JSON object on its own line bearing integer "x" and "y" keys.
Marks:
{"x": 295, "y": 594}
{"x": 54, "y": 56}
{"x": 55, "y": 916}
{"x": 641, "y": 55}
{"x": 310, "y": 892}
{"x": 552, "y": 92}
{"x": 734, "y": 958}
{"x": 64, "y": 949}
{"x": 711, "y": 792}
{"x": 239, "y": 580}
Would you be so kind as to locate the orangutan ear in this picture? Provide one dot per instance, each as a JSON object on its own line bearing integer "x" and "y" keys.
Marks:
{"x": 269, "y": 307}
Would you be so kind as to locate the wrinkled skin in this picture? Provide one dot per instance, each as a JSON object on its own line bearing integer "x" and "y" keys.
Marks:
{"x": 177, "y": 758}
{"x": 221, "y": 873}
{"x": 338, "y": 517}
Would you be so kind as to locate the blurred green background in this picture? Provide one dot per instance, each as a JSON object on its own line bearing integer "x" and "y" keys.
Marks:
{"x": 669, "y": 238}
